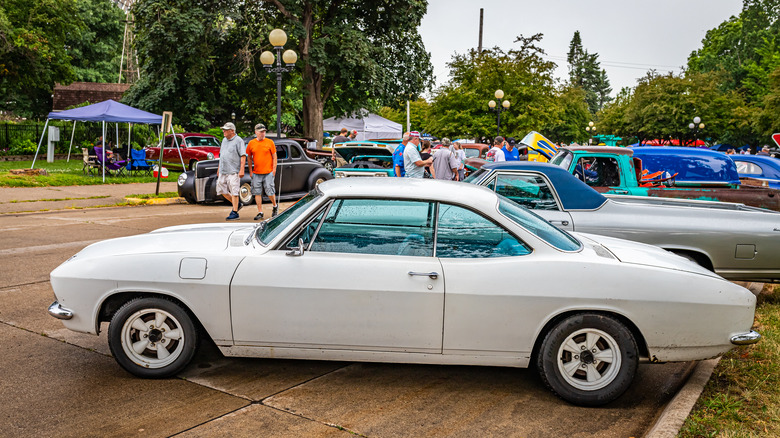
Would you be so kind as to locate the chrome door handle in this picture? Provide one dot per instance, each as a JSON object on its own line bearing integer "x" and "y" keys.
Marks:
{"x": 432, "y": 275}
{"x": 564, "y": 223}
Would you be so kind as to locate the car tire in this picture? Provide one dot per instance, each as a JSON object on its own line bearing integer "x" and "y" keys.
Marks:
{"x": 245, "y": 193}
{"x": 329, "y": 165}
{"x": 192, "y": 164}
{"x": 190, "y": 199}
{"x": 588, "y": 359}
{"x": 315, "y": 180}
{"x": 162, "y": 330}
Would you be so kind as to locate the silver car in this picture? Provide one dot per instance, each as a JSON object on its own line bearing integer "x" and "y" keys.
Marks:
{"x": 736, "y": 241}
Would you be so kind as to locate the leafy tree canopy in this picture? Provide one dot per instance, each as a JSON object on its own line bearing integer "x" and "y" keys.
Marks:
{"x": 96, "y": 48}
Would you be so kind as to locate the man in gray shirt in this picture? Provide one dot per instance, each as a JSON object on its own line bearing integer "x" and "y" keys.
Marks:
{"x": 445, "y": 163}
{"x": 232, "y": 159}
{"x": 413, "y": 162}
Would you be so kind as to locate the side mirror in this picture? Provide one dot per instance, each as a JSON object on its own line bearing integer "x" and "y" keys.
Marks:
{"x": 296, "y": 251}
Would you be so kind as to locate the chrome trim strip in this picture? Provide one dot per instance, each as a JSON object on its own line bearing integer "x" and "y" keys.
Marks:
{"x": 59, "y": 312}
{"x": 746, "y": 338}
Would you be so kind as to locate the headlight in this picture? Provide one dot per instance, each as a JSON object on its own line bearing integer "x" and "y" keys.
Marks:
{"x": 182, "y": 178}
{"x": 339, "y": 174}
{"x": 210, "y": 156}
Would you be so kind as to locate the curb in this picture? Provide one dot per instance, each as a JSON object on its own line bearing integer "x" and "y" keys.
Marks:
{"x": 673, "y": 416}
{"x": 156, "y": 201}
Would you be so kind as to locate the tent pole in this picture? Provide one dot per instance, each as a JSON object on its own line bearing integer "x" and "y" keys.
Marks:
{"x": 178, "y": 148}
{"x": 73, "y": 133}
{"x": 104, "y": 151}
{"x": 39, "y": 143}
{"x": 129, "y": 129}
{"x": 116, "y": 125}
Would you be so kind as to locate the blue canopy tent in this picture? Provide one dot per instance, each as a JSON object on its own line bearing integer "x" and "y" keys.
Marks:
{"x": 107, "y": 111}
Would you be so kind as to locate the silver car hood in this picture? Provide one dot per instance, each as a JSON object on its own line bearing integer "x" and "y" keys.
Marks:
{"x": 200, "y": 238}
{"x": 643, "y": 254}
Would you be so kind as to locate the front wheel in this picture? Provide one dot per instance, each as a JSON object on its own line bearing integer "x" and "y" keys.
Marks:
{"x": 152, "y": 337}
{"x": 588, "y": 359}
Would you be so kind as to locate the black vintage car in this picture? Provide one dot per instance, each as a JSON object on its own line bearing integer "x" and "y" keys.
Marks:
{"x": 296, "y": 174}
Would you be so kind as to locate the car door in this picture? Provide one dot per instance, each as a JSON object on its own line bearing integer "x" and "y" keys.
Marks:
{"x": 284, "y": 169}
{"x": 486, "y": 268}
{"x": 366, "y": 281}
{"x": 534, "y": 192}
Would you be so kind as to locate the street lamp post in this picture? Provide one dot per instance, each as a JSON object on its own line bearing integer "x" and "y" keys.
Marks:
{"x": 591, "y": 129}
{"x": 695, "y": 128}
{"x": 278, "y": 38}
{"x": 498, "y": 109}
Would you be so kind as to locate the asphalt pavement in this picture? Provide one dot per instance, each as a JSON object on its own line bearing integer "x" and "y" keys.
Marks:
{"x": 60, "y": 383}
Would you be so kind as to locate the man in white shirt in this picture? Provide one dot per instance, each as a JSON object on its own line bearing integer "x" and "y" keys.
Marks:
{"x": 413, "y": 162}
{"x": 495, "y": 154}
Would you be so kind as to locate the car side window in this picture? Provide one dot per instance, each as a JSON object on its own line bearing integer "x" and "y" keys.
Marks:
{"x": 462, "y": 233}
{"x": 295, "y": 153}
{"x": 281, "y": 152}
{"x": 371, "y": 226}
{"x": 530, "y": 191}
{"x": 306, "y": 232}
{"x": 598, "y": 171}
{"x": 746, "y": 168}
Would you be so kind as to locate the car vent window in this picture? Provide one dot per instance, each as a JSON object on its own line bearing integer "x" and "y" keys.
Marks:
{"x": 462, "y": 233}
{"x": 530, "y": 191}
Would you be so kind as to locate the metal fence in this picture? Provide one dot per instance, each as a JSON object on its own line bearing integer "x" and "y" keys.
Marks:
{"x": 85, "y": 132}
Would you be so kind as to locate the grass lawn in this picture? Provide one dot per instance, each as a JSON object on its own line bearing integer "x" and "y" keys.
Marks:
{"x": 742, "y": 399}
{"x": 64, "y": 173}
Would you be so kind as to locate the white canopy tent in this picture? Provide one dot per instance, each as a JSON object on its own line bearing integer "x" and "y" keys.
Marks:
{"x": 370, "y": 126}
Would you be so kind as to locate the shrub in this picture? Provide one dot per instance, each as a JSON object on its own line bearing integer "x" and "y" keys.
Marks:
{"x": 22, "y": 146}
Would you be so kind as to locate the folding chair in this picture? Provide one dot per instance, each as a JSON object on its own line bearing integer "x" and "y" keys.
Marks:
{"x": 118, "y": 167}
{"x": 90, "y": 162}
{"x": 138, "y": 163}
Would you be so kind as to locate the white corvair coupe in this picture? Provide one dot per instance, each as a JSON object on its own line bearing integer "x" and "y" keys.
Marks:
{"x": 412, "y": 271}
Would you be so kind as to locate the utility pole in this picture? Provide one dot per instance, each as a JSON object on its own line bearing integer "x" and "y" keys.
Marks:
{"x": 481, "y": 20}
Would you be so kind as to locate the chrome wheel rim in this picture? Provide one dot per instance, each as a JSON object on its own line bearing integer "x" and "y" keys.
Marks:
{"x": 152, "y": 338}
{"x": 589, "y": 359}
{"x": 245, "y": 193}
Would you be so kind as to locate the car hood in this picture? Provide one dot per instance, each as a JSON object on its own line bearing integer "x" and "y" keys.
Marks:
{"x": 643, "y": 254}
{"x": 198, "y": 238}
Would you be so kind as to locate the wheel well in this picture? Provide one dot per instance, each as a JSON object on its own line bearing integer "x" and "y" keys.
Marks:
{"x": 640, "y": 340}
{"x": 695, "y": 256}
{"x": 114, "y": 302}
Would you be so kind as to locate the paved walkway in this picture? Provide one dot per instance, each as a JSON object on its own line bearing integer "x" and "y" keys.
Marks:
{"x": 26, "y": 199}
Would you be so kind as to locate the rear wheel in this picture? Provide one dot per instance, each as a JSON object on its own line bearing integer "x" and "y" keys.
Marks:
{"x": 245, "y": 194}
{"x": 152, "y": 337}
{"x": 588, "y": 359}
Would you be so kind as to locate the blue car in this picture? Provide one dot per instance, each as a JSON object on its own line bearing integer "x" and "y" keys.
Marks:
{"x": 759, "y": 167}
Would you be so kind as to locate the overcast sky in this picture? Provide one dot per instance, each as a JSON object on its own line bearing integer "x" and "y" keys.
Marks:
{"x": 630, "y": 36}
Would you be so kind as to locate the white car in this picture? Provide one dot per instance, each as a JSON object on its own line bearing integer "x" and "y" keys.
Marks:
{"x": 411, "y": 271}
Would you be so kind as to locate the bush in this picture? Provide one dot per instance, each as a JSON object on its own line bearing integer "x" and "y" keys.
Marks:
{"x": 22, "y": 146}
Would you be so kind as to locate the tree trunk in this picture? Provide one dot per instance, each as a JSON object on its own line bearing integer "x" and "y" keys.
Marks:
{"x": 313, "y": 105}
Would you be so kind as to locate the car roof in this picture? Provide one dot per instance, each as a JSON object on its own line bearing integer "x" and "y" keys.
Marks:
{"x": 774, "y": 162}
{"x": 573, "y": 193}
{"x": 677, "y": 151}
{"x": 412, "y": 189}
{"x": 600, "y": 149}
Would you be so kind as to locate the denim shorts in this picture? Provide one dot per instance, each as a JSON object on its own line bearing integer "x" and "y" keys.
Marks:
{"x": 263, "y": 180}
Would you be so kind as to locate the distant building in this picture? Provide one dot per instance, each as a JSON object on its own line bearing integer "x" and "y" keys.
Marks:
{"x": 80, "y": 92}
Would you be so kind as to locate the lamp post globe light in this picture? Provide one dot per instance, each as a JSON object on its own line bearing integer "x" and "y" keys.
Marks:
{"x": 498, "y": 109}
{"x": 696, "y": 127}
{"x": 278, "y": 38}
{"x": 591, "y": 129}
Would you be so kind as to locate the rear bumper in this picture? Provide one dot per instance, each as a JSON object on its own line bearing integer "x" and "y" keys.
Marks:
{"x": 745, "y": 338}
{"x": 59, "y": 312}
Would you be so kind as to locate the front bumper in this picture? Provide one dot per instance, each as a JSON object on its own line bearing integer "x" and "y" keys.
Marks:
{"x": 745, "y": 338}
{"x": 59, "y": 312}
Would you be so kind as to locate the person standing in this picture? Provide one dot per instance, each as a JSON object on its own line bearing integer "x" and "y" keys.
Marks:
{"x": 425, "y": 153}
{"x": 764, "y": 151}
{"x": 511, "y": 153}
{"x": 232, "y": 159}
{"x": 341, "y": 138}
{"x": 353, "y": 135}
{"x": 413, "y": 162}
{"x": 495, "y": 154}
{"x": 398, "y": 156}
{"x": 445, "y": 164}
{"x": 261, "y": 152}
{"x": 457, "y": 150}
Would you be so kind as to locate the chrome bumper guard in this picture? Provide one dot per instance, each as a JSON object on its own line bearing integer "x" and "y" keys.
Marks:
{"x": 746, "y": 338}
{"x": 59, "y": 312}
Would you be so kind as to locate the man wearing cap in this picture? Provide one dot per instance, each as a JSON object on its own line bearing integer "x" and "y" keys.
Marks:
{"x": 398, "y": 156}
{"x": 342, "y": 137}
{"x": 413, "y": 162}
{"x": 261, "y": 152}
{"x": 511, "y": 153}
{"x": 232, "y": 159}
{"x": 445, "y": 163}
{"x": 495, "y": 154}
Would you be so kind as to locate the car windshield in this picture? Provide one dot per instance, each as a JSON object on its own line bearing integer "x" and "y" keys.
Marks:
{"x": 562, "y": 158}
{"x": 537, "y": 225}
{"x": 471, "y": 153}
{"x": 202, "y": 141}
{"x": 277, "y": 224}
{"x": 476, "y": 176}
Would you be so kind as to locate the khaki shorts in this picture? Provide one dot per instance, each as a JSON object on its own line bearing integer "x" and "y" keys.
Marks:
{"x": 228, "y": 184}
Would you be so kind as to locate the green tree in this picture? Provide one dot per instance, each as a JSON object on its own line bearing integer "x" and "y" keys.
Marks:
{"x": 95, "y": 49}
{"x": 571, "y": 118}
{"x": 33, "y": 54}
{"x": 419, "y": 115}
{"x": 585, "y": 72}
{"x": 459, "y": 108}
{"x": 354, "y": 54}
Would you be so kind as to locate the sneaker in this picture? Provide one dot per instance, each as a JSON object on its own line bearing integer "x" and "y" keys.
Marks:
{"x": 232, "y": 216}
{"x": 259, "y": 216}
{"x": 275, "y": 211}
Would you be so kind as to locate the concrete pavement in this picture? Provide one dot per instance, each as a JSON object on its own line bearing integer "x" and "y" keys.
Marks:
{"x": 65, "y": 383}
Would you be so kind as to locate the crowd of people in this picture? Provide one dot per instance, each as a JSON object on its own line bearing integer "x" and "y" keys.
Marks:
{"x": 413, "y": 157}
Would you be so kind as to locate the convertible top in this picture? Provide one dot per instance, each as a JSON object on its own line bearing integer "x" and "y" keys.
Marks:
{"x": 574, "y": 194}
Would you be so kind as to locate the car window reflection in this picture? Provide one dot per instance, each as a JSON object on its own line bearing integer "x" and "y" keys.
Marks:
{"x": 462, "y": 233}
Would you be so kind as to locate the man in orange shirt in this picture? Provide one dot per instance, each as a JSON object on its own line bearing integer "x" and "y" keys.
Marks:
{"x": 261, "y": 152}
